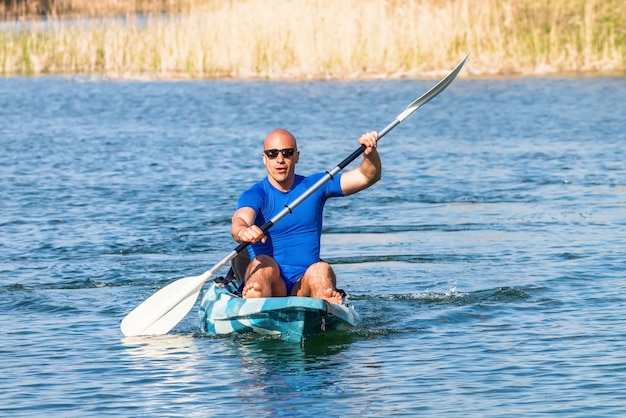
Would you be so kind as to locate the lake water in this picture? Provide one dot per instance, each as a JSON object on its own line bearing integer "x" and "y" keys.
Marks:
{"x": 489, "y": 263}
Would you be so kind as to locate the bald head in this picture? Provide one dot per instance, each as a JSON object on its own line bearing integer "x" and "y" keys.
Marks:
{"x": 280, "y": 138}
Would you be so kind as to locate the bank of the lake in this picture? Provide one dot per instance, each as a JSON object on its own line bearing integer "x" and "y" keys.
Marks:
{"x": 279, "y": 39}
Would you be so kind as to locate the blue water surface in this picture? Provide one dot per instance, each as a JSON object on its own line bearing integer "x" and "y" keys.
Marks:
{"x": 488, "y": 264}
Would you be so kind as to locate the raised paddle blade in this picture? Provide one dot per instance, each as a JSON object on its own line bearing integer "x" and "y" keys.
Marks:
{"x": 412, "y": 107}
{"x": 433, "y": 92}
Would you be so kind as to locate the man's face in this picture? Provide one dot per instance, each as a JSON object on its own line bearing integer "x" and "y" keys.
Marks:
{"x": 280, "y": 165}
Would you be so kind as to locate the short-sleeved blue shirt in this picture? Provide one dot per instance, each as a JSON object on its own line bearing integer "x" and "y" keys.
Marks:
{"x": 294, "y": 242}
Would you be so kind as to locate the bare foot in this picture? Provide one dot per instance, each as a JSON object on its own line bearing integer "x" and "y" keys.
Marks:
{"x": 332, "y": 296}
{"x": 252, "y": 290}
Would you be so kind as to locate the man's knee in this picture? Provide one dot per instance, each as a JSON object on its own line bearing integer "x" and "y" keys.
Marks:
{"x": 321, "y": 269}
{"x": 261, "y": 262}
{"x": 264, "y": 261}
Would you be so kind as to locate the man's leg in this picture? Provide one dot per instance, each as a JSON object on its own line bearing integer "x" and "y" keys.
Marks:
{"x": 319, "y": 281}
{"x": 263, "y": 279}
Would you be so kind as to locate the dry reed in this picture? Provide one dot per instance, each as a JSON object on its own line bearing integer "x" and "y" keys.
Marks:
{"x": 327, "y": 39}
{"x": 16, "y": 8}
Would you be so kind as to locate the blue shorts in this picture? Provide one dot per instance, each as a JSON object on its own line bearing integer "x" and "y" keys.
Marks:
{"x": 291, "y": 275}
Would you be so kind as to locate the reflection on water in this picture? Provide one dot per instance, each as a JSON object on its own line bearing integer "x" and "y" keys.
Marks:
{"x": 162, "y": 347}
{"x": 273, "y": 369}
{"x": 165, "y": 366}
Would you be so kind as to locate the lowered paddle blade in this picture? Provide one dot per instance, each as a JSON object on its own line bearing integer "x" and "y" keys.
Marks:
{"x": 173, "y": 317}
{"x": 162, "y": 311}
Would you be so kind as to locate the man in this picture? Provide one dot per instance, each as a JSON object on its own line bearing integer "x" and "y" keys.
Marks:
{"x": 286, "y": 259}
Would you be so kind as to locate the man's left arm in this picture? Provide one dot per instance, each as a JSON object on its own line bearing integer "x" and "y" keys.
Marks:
{"x": 368, "y": 172}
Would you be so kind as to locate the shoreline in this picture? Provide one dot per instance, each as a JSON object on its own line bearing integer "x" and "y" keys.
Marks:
{"x": 465, "y": 74}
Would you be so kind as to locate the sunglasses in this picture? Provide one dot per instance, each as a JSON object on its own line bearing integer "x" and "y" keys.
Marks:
{"x": 273, "y": 153}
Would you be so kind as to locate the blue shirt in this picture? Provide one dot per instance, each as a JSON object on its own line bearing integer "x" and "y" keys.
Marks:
{"x": 294, "y": 242}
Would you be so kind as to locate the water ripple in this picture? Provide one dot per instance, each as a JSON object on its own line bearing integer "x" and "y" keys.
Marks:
{"x": 487, "y": 264}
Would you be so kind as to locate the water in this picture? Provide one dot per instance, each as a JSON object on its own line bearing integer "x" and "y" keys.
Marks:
{"x": 488, "y": 264}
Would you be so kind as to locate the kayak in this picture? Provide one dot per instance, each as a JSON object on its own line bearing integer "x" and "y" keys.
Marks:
{"x": 293, "y": 318}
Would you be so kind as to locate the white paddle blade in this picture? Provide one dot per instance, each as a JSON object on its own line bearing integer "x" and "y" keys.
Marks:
{"x": 158, "y": 314}
{"x": 433, "y": 92}
{"x": 173, "y": 317}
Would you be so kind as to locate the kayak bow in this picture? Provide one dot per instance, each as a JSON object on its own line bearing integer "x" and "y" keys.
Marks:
{"x": 292, "y": 318}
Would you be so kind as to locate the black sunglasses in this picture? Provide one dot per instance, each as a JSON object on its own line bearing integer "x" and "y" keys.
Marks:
{"x": 273, "y": 153}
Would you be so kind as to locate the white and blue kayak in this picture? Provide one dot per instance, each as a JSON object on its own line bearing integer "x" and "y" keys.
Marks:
{"x": 292, "y": 318}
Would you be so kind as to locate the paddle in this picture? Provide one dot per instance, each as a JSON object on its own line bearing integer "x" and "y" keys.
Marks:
{"x": 167, "y": 307}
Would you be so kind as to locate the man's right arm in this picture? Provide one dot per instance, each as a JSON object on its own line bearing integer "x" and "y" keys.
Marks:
{"x": 243, "y": 228}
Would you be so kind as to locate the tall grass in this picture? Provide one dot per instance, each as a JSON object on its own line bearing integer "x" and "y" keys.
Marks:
{"x": 327, "y": 39}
